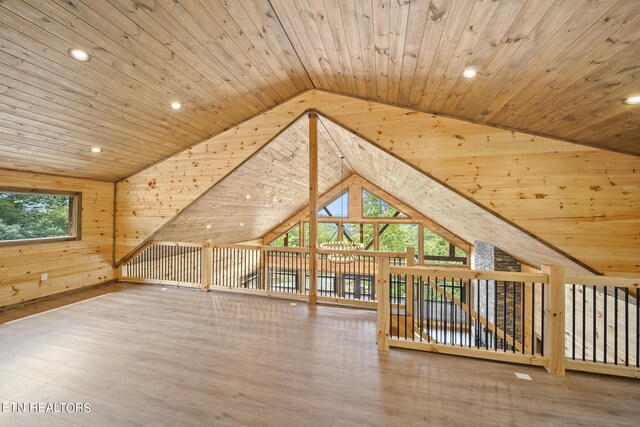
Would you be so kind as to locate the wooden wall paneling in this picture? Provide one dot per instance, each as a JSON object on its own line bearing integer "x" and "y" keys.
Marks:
{"x": 445, "y": 207}
{"x": 177, "y": 181}
{"x": 69, "y": 265}
{"x": 275, "y": 178}
{"x": 546, "y": 184}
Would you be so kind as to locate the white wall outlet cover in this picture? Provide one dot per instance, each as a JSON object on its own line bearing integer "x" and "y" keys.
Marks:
{"x": 523, "y": 376}
{"x": 44, "y": 276}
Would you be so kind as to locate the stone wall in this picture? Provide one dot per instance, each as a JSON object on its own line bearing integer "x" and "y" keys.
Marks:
{"x": 504, "y": 300}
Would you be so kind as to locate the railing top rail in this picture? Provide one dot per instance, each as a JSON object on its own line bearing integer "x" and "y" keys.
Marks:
{"x": 384, "y": 254}
{"x": 387, "y": 254}
{"x": 297, "y": 250}
{"x": 178, "y": 244}
{"x": 619, "y": 282}
{"x": 462, "y": 273}
{"x": 237, "y": 246}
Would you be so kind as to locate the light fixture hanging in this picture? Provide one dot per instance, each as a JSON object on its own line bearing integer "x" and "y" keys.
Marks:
{"x": 341, "y": 249}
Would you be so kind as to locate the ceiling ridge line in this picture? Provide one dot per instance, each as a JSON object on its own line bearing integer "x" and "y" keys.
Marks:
{"x": 149, "y": 238}
{"x": 481, "y": 123}
{"x": 469, "y": 199}
{"x": 313, "y": 86}
{"x": 333, "y": 140}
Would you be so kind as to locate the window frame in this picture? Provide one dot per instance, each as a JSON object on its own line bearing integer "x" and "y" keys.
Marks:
{"x": 400, "y": 214}
{"x": 75, "y": 216}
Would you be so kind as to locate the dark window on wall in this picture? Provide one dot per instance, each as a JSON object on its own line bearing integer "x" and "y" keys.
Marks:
{"x": 29, "y": 216}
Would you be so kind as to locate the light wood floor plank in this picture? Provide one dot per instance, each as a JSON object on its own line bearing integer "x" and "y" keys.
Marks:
{"x": 147, "y": 355}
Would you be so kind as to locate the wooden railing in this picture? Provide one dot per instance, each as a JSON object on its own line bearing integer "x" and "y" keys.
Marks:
{"x": 284, "y": 272}
{"x": 587, "y": 323}
{"x": 602, "y": 319}
{"x": 534, "y": 319}
{"x": 177, "y": 264}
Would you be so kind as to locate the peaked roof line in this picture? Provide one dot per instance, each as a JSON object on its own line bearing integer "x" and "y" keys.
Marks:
{"x": 461, "y": 194}
{"x": 132, "y": 253}
{"x": 477, "y": 122}
{"x": 310, "y": 100}
{"x": 366, "y": 185}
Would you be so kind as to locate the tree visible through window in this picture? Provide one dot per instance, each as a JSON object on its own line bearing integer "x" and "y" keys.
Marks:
{"x": 35, "y": 216}
{"x": 374, "y": 207}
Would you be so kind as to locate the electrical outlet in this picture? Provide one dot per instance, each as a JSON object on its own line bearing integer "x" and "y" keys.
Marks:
{"x": 45, "y": 276}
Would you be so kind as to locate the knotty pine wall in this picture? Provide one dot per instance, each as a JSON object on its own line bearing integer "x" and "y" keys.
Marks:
{"x": 70, "y": 265}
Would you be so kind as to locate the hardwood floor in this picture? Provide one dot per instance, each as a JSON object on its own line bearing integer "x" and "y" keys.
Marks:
{"x": 144, "y": 355}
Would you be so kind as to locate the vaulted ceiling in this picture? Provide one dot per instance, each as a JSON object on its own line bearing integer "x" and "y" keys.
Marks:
{"x": 574, "y": 199}
{"x": 279, "y": 171}
{"x": 549, "y": 67}
{"x": 260, "y": 193}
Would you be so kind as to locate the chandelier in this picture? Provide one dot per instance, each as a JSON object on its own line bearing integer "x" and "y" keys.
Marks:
{"x": 340, "y": 248}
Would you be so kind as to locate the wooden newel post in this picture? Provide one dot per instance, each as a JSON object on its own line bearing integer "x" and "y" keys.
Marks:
{"x": 264, "y": 268}
{"x": 554, "y": 329}
{"x": 411, "y": 262}
{"x": 313, "y": 208}
{"x": 382, "y": 286}
{"x": 206, "y": 265}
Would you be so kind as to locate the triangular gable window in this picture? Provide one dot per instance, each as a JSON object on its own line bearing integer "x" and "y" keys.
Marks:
{"x": 375, "y": 207}
{"x": 338, "y": 207}
{"x": 288, "y": 238}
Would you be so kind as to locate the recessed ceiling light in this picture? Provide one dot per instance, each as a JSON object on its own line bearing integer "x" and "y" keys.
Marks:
{"x": 79, "y": 54}
{"x": 632, "y": 100}
{"x": 208, "y": 226}
{"x": 274, "y": 200}
{"x": 469, "y": 73}
{"x": 241, "y": 224}
{"x": 176, "y": 105}
{"x": 96, "y": 150}
{"x": 248, "y": 196}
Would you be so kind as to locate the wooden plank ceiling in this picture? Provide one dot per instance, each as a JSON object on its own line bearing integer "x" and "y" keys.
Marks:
{"x": 262, "y": 192}
{"x": 581, "y": 200}
{"x": 279, "y": 171}
{"x": 552, "y": 67}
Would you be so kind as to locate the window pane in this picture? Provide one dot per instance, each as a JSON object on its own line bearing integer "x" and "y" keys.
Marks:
{"x": 360, "y": 233}
{"x": 327, "y": 232}
{"x": 434, "y": 244}
{"x": 339, "y": 207}
{"x": 33, "y": 216}
{"x": 373, "y": 207}
{"x": 397, "y": 237}
{"x": 290, "y": 238}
